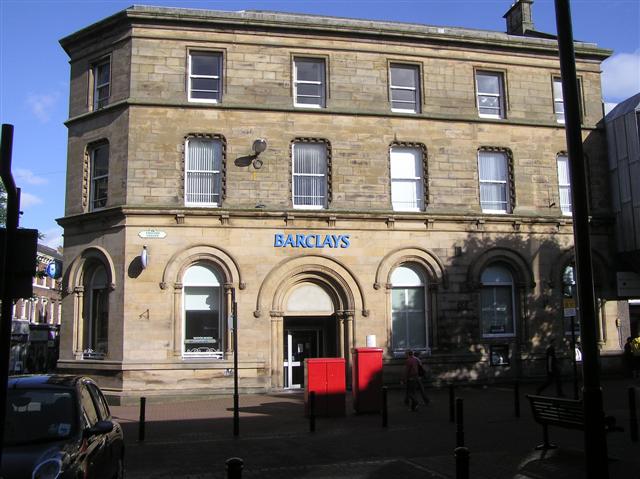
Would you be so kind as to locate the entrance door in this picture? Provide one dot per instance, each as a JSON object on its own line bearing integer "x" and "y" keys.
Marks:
{"x": 299, "y": 345}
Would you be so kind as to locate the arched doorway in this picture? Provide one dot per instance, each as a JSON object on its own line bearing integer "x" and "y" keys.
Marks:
{"x": 310, "y": 330}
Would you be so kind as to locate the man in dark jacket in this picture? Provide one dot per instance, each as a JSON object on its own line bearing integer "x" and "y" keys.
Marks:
{"x": 553, "y": 370}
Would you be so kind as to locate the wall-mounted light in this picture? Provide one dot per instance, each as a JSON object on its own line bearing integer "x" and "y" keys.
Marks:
{"x": 144, "y": 257}
{"x": 258, "y": 147}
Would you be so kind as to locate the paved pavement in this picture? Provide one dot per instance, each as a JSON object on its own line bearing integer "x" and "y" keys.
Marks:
{"x": 193, "y": 438}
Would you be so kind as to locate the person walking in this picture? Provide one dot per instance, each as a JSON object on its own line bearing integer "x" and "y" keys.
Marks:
{"x": 553, "y": 370}
{"x": 628, "y": 358}
{"x": 410, "y": 377}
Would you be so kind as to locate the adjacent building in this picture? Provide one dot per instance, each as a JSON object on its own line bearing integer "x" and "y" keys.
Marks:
{"x": 623, "y": 139}
{"x": 344, "y": 182}
{"x": 35, "y": 321}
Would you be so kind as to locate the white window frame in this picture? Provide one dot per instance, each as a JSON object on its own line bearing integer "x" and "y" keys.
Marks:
{"x": 218, "y": 57}
{"x": 419, "y": 271}
{"x": 213, "y": 173}
{"x": 324, "y": 175}
{"x": 93, "y": 179}
{"x": 558, "y": 99}
{"x": 500, "y": 95}
{"x": 415, "y": 89}
{"x": 494, "y": 286}
{"x": 504, "y": 182}
{"x": 97, "y": 103}
{"x": 322, "y": 82}
{"x": 566, "y": 208}
{"x": 417, "y": 180}
{"x": 219, "y": 352}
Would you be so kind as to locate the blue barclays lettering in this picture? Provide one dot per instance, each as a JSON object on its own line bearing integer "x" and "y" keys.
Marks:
{"x": 328, "y": 241}
{"x": 301, "y": 240}
{"x": 290, "y": 242}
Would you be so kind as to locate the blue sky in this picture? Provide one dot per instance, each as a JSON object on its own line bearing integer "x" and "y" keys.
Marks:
{"x": 34, "y": 70}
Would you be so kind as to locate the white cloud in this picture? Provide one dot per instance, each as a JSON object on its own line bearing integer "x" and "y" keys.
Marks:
{"x": 28, "y": 177}
{"x": 27, "y": 200}
{"x": 42, "y": 105}
{"x": 608, "y": 107}
{"x": 621, "y": 76}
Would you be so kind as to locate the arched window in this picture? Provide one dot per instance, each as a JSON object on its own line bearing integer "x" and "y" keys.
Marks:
{"x": 203, "y": 312}
{"x": 96, "y": 311}
{"x": 497, "y": 302}
{"x": 408, "y": 309}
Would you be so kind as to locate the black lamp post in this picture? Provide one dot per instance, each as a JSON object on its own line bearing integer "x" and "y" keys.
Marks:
{"x": 236, "y": 397}
{"x": 595, "y": 442}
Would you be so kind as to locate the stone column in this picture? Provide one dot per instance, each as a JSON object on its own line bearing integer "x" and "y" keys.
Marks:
{"x": 228, "y": 302}
{"x": 350, "y": 342}
{"x": 341, "y": 334}
{"x": 176, "y": 340}
{"x": 277, "y": 349}
{"x": 78, "y": 321}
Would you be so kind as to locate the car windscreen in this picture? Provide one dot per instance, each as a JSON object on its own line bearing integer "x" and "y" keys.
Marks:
{"x": 39, "y": 415}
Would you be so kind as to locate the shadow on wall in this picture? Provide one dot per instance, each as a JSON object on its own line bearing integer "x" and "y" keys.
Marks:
{"x": 468, "y": 351}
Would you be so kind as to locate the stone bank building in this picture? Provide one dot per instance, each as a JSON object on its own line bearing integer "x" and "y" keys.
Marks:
{"x": 346, "y": 182}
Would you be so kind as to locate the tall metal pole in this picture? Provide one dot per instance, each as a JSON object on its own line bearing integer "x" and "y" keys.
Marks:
{"x": 13, "y": 212}
{"x": 236, "y": 397}
{"x": 595, "y": 443}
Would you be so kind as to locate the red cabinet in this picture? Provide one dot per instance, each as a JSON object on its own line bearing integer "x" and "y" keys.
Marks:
{"x": 367, "y": 379}
{"x": 325, "y": 377}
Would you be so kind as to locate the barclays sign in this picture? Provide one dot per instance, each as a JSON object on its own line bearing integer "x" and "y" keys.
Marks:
{"x": 298, "y": 240}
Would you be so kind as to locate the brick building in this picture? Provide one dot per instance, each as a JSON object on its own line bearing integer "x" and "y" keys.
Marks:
{"x": 341, "y": 179}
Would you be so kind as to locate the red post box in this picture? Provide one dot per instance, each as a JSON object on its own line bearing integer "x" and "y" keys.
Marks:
{"x": 367, "y": 379}
{"x": 325, "y": 377}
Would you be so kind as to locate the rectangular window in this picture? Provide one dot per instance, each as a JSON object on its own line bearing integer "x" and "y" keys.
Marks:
{"x": 494, "y": 188}
{"x": 558, "y": 99}
{"x": 309, "y": 175}
{"x": 558, "y": 102}
{"x": 497, "y": 311}
{"x": 564, "y": 184}
{"x": 205, "y": 77}
{"x": 101, "y": 72}
{"x": 99, "y": 170}
{"x": 407, "y": 192}
{"x": 202, "y": 321}
{"x": 490, "y": 92}
{"x": 405, "y": 88}
{"x": 203, "y": 172}
{"x": 309, "y": 82}
{"x": 408, "y": 319}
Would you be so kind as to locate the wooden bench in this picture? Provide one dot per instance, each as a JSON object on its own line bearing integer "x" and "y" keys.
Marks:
{"x": 555, "y": 411}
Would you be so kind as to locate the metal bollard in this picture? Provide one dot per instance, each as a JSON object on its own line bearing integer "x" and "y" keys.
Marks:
{"x": 141, "y": 422}
{"x": 459, "y": 423}
{"x": 516, "y": 398}
{"x": 312, "y": 411}
{"x": 385, "y": 410}
{"x": 452, "y": 405}
{"x": 633, "y": 415}
{"x": 234, "y": 467}
{"x": 462, "y": 462}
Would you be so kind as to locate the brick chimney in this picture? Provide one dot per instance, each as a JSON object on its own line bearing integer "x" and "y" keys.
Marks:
{"x": 519, "y": 19}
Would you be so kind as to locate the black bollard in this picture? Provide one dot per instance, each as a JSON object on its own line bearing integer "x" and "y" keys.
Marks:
{"x": 459, "y": 423}
{"x": 312, "y": 411}
{"x": 633, "y": 415}
{"x": 234, "y": 468}
{"x": 462, "y": 462}
{"x": 385, "y": 409}
{"x": 516, "y": 398}
{"x": 143, "y": 407}
{"x": 452, "y": 403}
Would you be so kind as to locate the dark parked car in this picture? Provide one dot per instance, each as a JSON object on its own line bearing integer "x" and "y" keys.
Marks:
{"x": 60, "y": 426}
